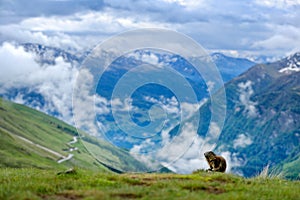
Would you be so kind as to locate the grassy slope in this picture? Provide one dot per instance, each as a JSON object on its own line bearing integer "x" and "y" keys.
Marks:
{"x": 46, "y": 184}
{"x": 18, "y": 120}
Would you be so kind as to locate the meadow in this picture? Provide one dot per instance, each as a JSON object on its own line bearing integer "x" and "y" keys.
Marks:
{"x": 32, "y": 183}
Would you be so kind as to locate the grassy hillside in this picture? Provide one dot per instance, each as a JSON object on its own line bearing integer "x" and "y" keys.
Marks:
{"x": 33, "y": 139}
{"x": 46, "y": 184}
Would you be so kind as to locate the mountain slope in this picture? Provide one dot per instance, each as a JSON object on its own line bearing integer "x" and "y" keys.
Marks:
{"x": 30, "y": 138}
{"x": 262, "y": 125}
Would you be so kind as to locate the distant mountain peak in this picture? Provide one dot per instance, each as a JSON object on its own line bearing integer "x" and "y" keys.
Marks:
{"x": 230, "y": 67}
{"x": 219, "y": 56}
{"x": 292, "y": 64}
{"x": 47, "y": 55}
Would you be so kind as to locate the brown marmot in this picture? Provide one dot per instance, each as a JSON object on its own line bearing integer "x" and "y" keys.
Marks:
{"x": 216, "y": 163}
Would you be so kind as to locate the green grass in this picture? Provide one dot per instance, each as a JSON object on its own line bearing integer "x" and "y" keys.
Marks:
{"x": 20, "y": 121}
{"x": 85, "y": 184}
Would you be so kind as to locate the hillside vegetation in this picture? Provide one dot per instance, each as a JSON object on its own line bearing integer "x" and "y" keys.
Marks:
{"x": 82, "y": 184}
{"x": 30, "y": 138}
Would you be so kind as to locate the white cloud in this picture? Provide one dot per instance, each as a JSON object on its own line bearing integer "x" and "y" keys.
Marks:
{"x": 213, "y": 134}
{"x": 169, "y": 105}
{"x": 246, "y": 92}
{"x": 189, "y": 4}
{"x": 16, "y": 64}
{"x": 122, "y": 106}
{"x": 278, "y": 3}
{"x": 286, "y": 37}
{"x": 147, "y": 144}
{"x": 210, "y": 85}
{"x": 79, "y": 31}
{"x": 150, "y": 58}
{"x": 23, "y": 34}
{"x": 85, "y": 105}
{"x": 242, "y": 141}
{"x": 189, "y": 109}
{"x": 175, "y": 108}
{"x": 54, "y": 82}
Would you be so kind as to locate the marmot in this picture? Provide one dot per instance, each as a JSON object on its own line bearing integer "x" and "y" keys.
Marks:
{"x": 216, "y": 163}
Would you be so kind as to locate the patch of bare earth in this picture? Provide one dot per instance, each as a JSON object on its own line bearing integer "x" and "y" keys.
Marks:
{"x": 63, "y": 196}
{"x": 74, "y": 195}
{"x": 209, "y": 189}
{"x": 127, "y": 195}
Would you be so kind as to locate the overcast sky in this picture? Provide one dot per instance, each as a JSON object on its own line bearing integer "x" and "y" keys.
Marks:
{"x": 239, "y": 28}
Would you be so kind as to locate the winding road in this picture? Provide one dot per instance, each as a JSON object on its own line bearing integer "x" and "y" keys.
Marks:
{"x": 63, "y": 158}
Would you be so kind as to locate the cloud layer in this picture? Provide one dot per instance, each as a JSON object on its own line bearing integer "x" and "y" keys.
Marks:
{"x": 19, "y": 70}
{"x": 246, "y": 92}
{"x": 248, "y": 29}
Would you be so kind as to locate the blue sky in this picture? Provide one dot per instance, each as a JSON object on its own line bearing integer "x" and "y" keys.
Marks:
{"x": 239, "y": 28}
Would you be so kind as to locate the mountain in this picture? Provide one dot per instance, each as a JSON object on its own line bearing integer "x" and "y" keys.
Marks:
{"x": 47, "y": 55}
{"x": 30, "y": 138}
{"x": 231, "y": 67}
{"x": 262, "y": 126}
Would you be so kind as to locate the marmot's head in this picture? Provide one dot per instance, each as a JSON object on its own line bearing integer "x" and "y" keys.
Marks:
{"x": 209, "y": 155}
